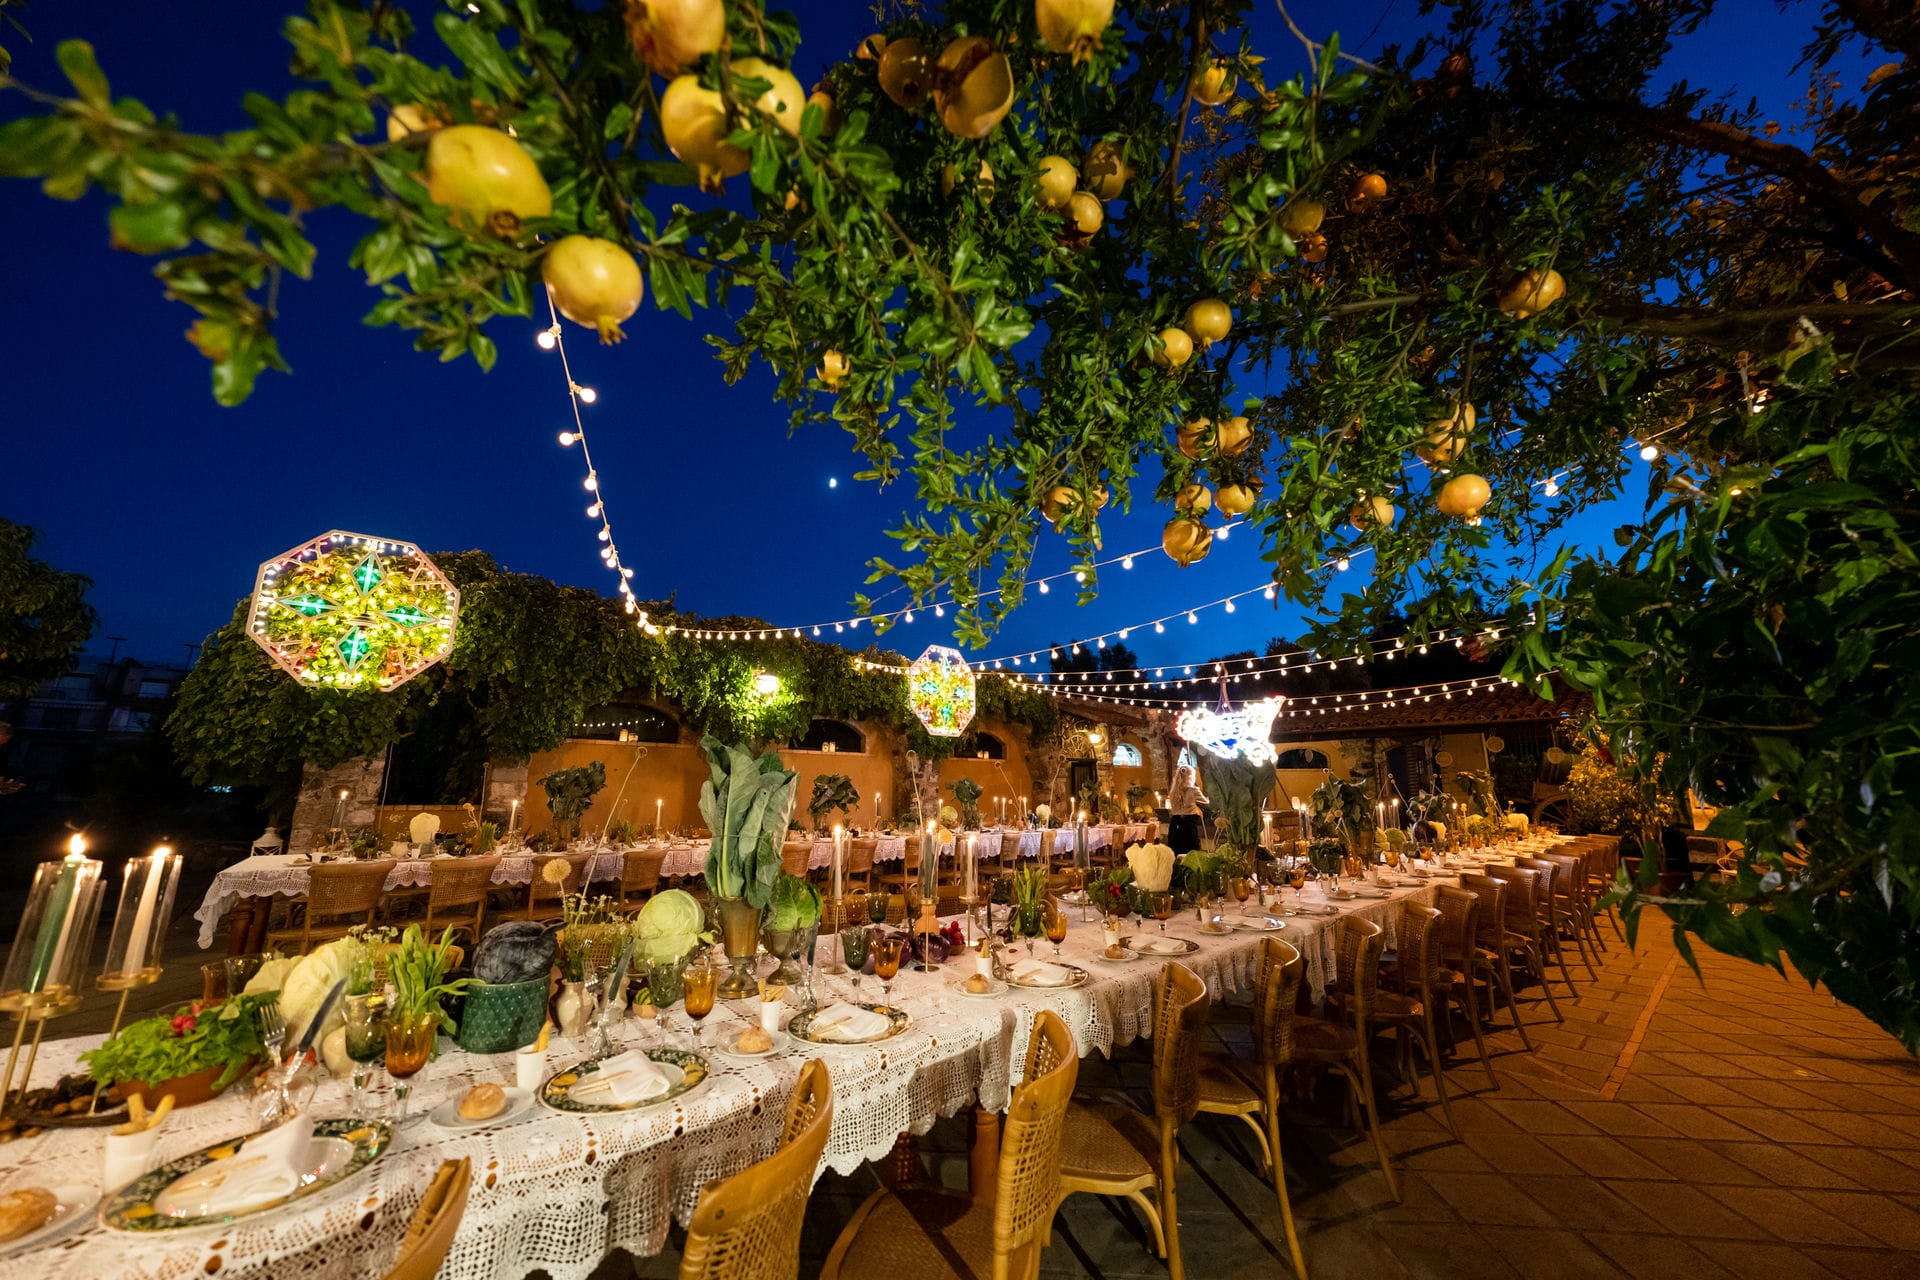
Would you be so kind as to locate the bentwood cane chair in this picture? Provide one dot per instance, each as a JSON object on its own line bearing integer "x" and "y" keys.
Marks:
{"x": 1526, "y": 935}
{"x": 1453, "y": 982}
{"x": 640, "y": 876}
{"x": 339, "y": 896}
{"x": 748, "y": 1226}
{"x": 457, "y": 896}
{"x": 928, "y": 1235}
{"x": 1408, "y": 1012}
{"x": 1224, "y": 1092}
{"x": 1112, "y": 1149}
{"x": 431, "y": 1230}
{"x": 1342, "y": 1045}
{"x": 1487, "y": 953}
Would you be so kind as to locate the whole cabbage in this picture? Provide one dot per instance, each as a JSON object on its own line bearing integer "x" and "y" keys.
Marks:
{"x": 668, "y": 926}
{"x": 1152, "y": 866}
{"x": 514, "y": 951}
{"x": 795, "y": 904}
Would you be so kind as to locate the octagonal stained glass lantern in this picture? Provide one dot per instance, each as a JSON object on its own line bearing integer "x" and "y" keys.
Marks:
{"x": 1228, "y": 731}
{"x": 349, "y": 611}
{"x": 940, "y": 691}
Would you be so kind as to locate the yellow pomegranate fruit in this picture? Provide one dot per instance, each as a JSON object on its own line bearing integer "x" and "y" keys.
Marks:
{"x": 1213, "y": 84}
{"x": 1532, "y": 293}
{"x": 871, "y": 48}
{"x": 409, "y": 118}
{"x": 1194, "y": 437}
{"x": 695, "y": 122}
{"x": 1236, "y": 499}
{"x": 1463, "y": 496}
{"x": 1447, "y": 437}
{"x": 1302, "y": 217}
{"x": 950, "y": 175}
{"x": 485, "y": 179}
{"x": 1373, "y": 510}
{"x": 1084, "y": 215}
{"x": 1073, "y": 26}
{"x": 905, "y": 74}
{"x": 1193, "y": 500}
{"x": 1107, "y": 170}
{"x": 1059, "y": 503}
{"x": 1369, "y": 187}
{"x": 1209, "y": 321}
{"x": 1233, "y": 437}
{"x": 1176, "y": 348}
{"x": 829, "y": 109}
{"x": 784, "y": 101}
{"x": 1313, "y": 249}
{"x": 1186, "y": 541}
{"x": 972, "y": 86}
{"x": 1057, "y": 181}
{"x": 833, "y": 368}
{"x": 593, "y": 282}
{"x": 669, "y": 35}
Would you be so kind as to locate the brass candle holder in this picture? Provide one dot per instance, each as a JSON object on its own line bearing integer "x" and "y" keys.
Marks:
{"x": 126, "y": 984}
{"x": 35, "y": 1007}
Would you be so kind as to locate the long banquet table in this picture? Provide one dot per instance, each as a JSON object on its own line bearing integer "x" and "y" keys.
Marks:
{"x": 557, "y": 1191}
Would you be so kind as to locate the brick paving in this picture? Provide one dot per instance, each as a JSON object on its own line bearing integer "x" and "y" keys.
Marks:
{"x": 1730, "y": 1125}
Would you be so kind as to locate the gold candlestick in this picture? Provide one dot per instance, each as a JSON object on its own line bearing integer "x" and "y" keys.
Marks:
{"x": 126, "y": 984}
{"x": 35, "y": 1007}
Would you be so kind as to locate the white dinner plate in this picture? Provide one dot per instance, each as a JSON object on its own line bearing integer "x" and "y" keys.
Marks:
{"x": 447, "y": 1114}
{"x": 780, "y": 1042}
{"x": 1259, "y": 924}
{"x": 72, "y": 1203}
{"x": 995, "y": 988}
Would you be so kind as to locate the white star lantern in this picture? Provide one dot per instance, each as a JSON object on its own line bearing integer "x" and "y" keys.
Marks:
{"x": 1229, "y": 732}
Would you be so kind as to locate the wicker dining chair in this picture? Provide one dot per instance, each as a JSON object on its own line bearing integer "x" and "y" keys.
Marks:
{"x": 1459, "y": 925}
{"x": 858, "y": 871}
{"x": 794, "y": 857}
{"x": 923, "y": 1234}
{"x": 1342, "y": 1045}
{"x": 1560, "y": 913}
{"x": 640, "y": 876}
{"x": 1224, "y": 1090}
{"x": 747, "y": 1227}
{"x": 457, "y": 895}
{"x": 1113, "y": 1149}
{"x": 1526, "y": 932}
{"x": 431, "y": 1230}
{"x": 543, "y": 895}
{"x": 1408, "y": 1011}
{"x": 1573, "y": 903}
{"x": 339, "y": 897}
{"x": 1490, "y": 957}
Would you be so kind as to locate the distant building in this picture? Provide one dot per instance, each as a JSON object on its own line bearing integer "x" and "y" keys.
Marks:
{"x": 65, "y": 724}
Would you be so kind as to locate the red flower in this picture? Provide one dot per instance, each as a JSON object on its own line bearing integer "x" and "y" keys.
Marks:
{"x": 182, "y": 1023}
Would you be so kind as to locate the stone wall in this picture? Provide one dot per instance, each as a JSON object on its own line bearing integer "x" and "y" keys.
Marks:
{"x": 361, "y": 778}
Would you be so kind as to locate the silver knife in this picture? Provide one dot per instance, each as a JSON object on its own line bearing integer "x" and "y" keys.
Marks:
{"x": 319, "y": 1020}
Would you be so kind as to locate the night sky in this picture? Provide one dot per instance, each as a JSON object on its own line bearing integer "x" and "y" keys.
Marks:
{"x": 113, "y": 445}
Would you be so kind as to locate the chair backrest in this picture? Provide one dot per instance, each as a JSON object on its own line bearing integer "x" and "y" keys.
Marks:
{"x": 1419, "y": 946}
{"x": 1276, "y": 990}
{"x": 1459, "y": 918}
{"x": 1490, "y": 920}
{"x": 860, "y": 860}
{"x": 1027, "y": 1185}
{"x": 1180, "y": 1008}
{"x": 747, "y": 1227}
{"x": 430, "y": 1232}
{"x": 1570, "y": 874}
{"x": 1359, "y": 945}
{"x": 794, "y": 856}
{"x": 640, "y": 870}
{"x": 1523, "y": 896}
{"x": 542, "y": 888}
{"x": 455, "y": 882}
{"x": 347, "y": 888}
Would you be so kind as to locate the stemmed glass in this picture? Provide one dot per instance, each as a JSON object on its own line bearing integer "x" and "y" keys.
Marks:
{"x": 853, "y": 948}
{"x": 877, "y": 904}
{"x": 701, "y": 981}
{"x": 1055, "y": 921}
{"x": 410, "y": 1039}
{"x": 366, "y": 1042}
{"x": 1242, "y": 888}
{"x": 886, "y": 965}
{"x": 1162, "y": 904}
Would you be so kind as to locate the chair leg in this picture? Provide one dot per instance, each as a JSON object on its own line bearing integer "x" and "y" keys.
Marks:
{"x": 1504, "y": 972}
{"x": 1537, "y": 957}
{"x": 1473, "y": 1021}
{"x": 1364, "y": 1079}
{"x": 1153, "y": 1221}
{"x": 1169, "y": 1207}
{"x": 1560, "y": 958}
{"x": 1581, "y": 923}
{"x": 1272, "y": 1110}
{"x": 1439, "y": 1077}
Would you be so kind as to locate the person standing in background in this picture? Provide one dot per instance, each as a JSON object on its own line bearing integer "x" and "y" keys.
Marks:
{"x": 1183, "y": 804}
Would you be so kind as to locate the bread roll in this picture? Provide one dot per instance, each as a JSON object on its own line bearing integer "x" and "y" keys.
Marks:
{"x": 483, "y": 1102}
{"x": 753, "y": 1040}
{"x": 27, "y": 1209}
{"x": 1116, "y": 952}
{"x": 979, "y": 983}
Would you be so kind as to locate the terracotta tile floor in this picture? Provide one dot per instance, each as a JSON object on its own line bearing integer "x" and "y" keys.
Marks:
{"x": 1735, "y": 1125}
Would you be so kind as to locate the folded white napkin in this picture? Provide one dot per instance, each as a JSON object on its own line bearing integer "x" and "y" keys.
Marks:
{"x": 267, "y": 1168}
{"x": 1159, "y": 946}
{"x": 1038, "y": 973}
{"x": 622, "y": 1079}
{"x": 848, "y": 1022}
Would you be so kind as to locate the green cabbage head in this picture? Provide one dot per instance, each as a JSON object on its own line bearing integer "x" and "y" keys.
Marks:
{"x": 669, "y": 925}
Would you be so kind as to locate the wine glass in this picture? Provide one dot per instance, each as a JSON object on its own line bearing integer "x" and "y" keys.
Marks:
{"x": 1055, "y": 921}
{"x": 409, "y": 1044}
{"x": 699, "y": 985}
{"x": 877, "y": 907}
{"x": 886, "y": 964}
{"x": 1242, "y": 888}
{"x": 366, "y": 1042}
{"x": 1392, "y": 856}
{"x": 1297, "y": 877}
{"x": 1162, "y": 906}
{"x": 853, "y": 947}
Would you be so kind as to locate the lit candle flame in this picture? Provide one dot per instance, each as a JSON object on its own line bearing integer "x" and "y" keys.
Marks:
{"x": 77, "y": 847}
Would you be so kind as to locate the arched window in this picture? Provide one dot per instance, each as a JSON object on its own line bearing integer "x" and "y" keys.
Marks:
{"x": 1126, "y": 756}
{"x": 832, "y": 735}
{"x": 638, "y": 722}
{"x": 987, "y": 746}
{"x": 1300, "y": 758}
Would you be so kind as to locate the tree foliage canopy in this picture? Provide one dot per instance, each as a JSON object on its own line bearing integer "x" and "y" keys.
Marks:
{"x": 44, "y": 615}
{"x": 1738, "y": 298}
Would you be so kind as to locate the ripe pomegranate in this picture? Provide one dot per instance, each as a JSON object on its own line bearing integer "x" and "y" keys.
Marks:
{"x": 1176, "y": 348}
{"x": 871, "y": 48}
{"x": 1370, "y": 187}
{"x": 1193, "y": 500}
{"x": 1237, "y": 499}
{"x": 784, "y": 101}
{"x": 1532, "y": 293}
{"x": 1302, "y": 217}
{"x": 1233, "y": 437}
{"x": 829, "y": 108}
{"x": 1463, "y": 496}
{"x": 833, "y": 368}
{"x": 905, "y": 75}
{"x": 1186, "y": 541}
{"x": 485, "y": 179}
{"x": 408, "y": 118}
{"x": 972, "y": 86}
{"x": 1057, "y": 181}
{"x": 1073, "y": 26}
{"x": 1214, "y": 83}
{"x": 1194, "y": 437}
{"x": 949, "y": 177}
{"x": 593, "y": 282}
{"x": 1059, "y": 504}
{"x": 1209, "y": 320}
{"x": 1107, "y": 169}
{"x": 1373, "y": 510}
{"x": 1313, "y": 250}
{"x": 1447, "y": 437}
{"x": 1084, "y": 216}
{"x": 695, "y": 122}
{"x": 669, "y": 35}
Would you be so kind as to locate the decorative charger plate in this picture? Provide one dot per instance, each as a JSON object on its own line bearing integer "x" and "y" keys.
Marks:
{"x": 684, "y": 1071}
{"x": 1144, "y": 946}
{"x": 1076, "y": 977}
{"x": 898, "y": 1020}
{"x": 341, "y": 1148}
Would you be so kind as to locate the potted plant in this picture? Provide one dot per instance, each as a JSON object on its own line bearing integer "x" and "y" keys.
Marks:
{"x": 746, "y": 802}
{"x": 569, "y": 794}
{"x": 831, "y": 791}
{"x": 193, "y": 1053}
{"x": 967, "y": 792}
{"x": 666, "y": 932}
{"x": 417, "y": 971}
{"x": 792, "y": 923}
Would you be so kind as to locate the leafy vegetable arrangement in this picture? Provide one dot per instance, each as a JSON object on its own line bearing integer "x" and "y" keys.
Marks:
{"x": 832, "y": 791}
{"x": 165, "y": 1047}
{"x": 746, "y": 802}
{"x": 669, "y": 926}
{"x": 418, "y": 971}
{"x": 571, "y": 791}
{"x": 967, "y": 792}
{"x": 1237, "y": 787}
{"x": 794, "y": 904}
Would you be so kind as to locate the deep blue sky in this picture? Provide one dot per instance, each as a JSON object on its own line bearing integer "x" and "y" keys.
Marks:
{"x": 111, "y": 443}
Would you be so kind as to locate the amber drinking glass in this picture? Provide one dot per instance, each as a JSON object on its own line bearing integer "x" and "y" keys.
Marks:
{"x": 1392, "y": 856}
{"x": 1241, "y": 888}
{"x": 886, "y": 965}
{"x": 1055, "y": 921}
{"x": 699, "y": 985}
{"x": 409, "y": 1045}
{"x": 1162, "y": 904}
